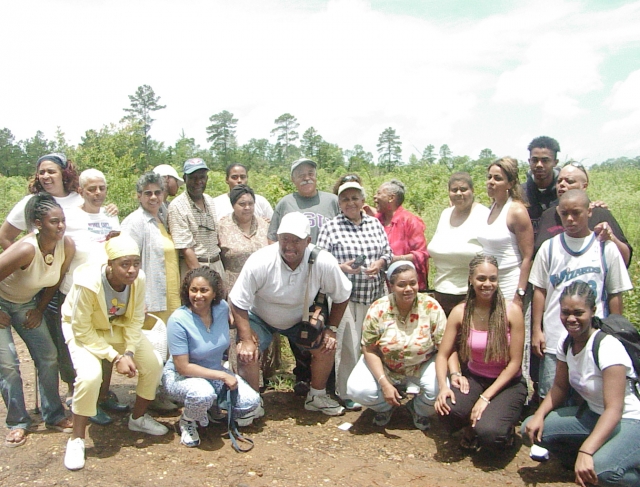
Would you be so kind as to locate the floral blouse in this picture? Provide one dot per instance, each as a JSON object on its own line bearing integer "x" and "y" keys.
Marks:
{"x": 404, "y": 346}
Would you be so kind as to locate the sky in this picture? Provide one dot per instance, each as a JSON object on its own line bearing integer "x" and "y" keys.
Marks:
{"x": 470, "y": 74}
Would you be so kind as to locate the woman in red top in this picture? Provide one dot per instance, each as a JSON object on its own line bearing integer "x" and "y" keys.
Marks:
{"x": 404, "y": 230}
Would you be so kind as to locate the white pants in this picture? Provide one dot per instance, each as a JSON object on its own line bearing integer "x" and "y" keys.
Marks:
{"x": 363, "y": 387}
{"x": 349, "y": 348}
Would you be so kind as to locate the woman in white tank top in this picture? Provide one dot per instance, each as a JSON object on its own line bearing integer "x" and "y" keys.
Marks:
{"x": 508, "y": 234}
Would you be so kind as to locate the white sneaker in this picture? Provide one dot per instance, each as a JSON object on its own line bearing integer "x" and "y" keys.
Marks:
{"x": 146, "y": 424}
{"x": 189, "y": 437}
{"x": 538, "y": 453}
{"x": 74, "y": 456}
{"x": 324, "y": 404}
{"x": 248, "y": 418}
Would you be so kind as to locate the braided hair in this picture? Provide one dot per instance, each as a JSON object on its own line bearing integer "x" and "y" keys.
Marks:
{"x": 497, "y": 344}
{"x": 38, "y": 206}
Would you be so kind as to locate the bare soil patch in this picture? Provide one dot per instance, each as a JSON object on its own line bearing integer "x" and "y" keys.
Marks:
{"x": 294, "y": 447}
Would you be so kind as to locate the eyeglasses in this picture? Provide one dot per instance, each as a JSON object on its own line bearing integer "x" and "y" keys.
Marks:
{"x": 579, "y": 166}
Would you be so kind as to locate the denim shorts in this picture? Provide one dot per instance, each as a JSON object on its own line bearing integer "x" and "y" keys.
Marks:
{"x": 265, "y": 331}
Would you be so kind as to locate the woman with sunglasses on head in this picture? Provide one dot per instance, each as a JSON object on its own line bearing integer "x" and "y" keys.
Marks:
{"x": 602, "y": 222}
{"x": 38, "y": 260}
{"x": 488, "y": 336}
{"x": 599, "y": 439}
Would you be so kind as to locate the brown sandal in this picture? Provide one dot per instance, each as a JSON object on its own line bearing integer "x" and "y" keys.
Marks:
{"x": 63, "y": 426}
{"x": 15, "y": 438}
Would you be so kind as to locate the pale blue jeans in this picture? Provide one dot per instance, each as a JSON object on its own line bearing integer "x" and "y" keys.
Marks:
{"x": 45, "y": 357}
{"x": 617, "y": 462}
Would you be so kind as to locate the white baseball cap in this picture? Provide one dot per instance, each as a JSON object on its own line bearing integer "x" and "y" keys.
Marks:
{"x": 167, "y": 170}
{"x": 296, "y": 224}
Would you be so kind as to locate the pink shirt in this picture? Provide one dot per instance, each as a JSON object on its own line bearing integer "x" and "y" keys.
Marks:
{"x": 406, "y": 236}
{"x": 476, "y": 364}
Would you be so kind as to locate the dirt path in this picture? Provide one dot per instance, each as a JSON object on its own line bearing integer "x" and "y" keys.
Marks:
{"x": 294, "y": 447}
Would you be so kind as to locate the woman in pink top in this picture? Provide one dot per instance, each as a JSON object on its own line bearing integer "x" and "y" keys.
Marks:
{"x": 488, "y": 337}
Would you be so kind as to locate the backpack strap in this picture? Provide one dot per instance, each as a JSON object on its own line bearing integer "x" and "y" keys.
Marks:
{"x": 566, "y": 344}
{"x": 605, "y": 269}
{"x": 595, "y": 346}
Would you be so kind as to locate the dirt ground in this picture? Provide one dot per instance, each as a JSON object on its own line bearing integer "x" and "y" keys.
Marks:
{"x": 293, "y": 447}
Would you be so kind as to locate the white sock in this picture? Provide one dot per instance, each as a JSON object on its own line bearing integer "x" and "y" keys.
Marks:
{"x": 317, "y": 392}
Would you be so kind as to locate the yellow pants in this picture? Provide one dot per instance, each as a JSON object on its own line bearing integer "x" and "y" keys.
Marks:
{"x": 89, "y": 374}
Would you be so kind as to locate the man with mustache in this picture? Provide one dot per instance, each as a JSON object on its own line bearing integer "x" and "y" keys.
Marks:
{"x": 319, "y": 207}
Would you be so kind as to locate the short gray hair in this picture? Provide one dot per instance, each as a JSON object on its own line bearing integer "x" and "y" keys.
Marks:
{"x": 149, "y": 178}
{"x": 395, "y": 187}
{"x": 88, "y": 174}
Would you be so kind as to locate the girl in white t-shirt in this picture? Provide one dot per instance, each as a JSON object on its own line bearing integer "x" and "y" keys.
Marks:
{"x": 599, "y": 439}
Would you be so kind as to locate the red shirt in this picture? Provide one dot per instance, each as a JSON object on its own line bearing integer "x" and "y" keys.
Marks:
{"x": 406, "y": 236}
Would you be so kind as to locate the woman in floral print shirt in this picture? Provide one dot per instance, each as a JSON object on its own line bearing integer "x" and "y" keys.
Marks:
{"x": 400, "y": 336}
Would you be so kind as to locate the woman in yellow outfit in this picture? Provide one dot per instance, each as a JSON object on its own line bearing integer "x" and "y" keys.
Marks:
{"x": 102, "y": 319}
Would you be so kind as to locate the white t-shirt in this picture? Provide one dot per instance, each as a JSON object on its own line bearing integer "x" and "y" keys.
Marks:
{"x": 270, "y": 289}
{"x": 88, "y": 231}
{"x": 16, "y": 215}
{"x": 262, "y": 208}
{"x": 575, "y": 259}
{"x": 452, "y": 248}
{"x": 586, "y": 378}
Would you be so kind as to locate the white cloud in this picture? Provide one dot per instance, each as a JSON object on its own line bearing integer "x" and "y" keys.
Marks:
{"x": 341, "y": 66}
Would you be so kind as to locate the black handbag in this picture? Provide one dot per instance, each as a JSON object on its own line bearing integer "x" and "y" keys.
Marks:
{"x": 311, "y": 329}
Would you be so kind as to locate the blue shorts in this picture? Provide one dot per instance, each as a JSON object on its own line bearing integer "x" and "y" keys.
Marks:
{"x": 265, "y": 331}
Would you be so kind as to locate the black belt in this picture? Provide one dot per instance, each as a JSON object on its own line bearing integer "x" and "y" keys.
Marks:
{"x": 209, "y": 260}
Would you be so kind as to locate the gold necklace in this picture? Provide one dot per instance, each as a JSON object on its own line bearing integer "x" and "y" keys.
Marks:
{"x": 48, "y": 257}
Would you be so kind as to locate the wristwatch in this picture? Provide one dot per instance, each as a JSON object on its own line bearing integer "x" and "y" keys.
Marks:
{"x": 333, "y": 328}
{"x": 520, "y": 292}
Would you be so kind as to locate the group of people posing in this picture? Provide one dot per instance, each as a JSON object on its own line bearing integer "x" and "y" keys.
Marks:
{"x": 542, "y": 263}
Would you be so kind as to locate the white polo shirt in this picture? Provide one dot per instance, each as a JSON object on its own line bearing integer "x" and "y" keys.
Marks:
{"x": 270, "y": 289}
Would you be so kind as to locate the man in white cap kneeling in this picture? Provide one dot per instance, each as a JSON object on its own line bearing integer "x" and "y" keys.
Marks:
{"x": 269, "y": 297}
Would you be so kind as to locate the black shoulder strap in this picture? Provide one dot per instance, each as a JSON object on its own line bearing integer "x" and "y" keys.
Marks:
{"x": 595, "y": 346}
{"x": 314, "y": 254}
{"x": 566, "y": 344}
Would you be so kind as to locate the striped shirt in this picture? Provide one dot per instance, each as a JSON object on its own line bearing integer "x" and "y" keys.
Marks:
{"x": 190, "y": 227}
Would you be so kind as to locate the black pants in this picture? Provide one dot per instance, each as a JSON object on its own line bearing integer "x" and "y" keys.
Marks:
{"x": 52, "y": 318}
{"x": 496, "y": 424}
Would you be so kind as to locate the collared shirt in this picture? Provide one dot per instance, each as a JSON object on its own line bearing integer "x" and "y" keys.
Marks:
{"x": 269, "y": 288}
{"x": 347, "y": 240}
{"x": 191, "y": 227}
{"x": 406, "y": 236}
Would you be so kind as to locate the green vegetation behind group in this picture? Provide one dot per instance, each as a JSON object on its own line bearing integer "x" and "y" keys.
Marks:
{"x": 124, "y": 151}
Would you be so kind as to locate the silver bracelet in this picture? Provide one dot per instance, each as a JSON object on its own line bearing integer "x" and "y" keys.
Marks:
{"x": 485, "y": 399}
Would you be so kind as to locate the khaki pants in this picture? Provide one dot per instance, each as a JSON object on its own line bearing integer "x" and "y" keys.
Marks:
{"x": 89, "y": 374}
{"x": 216, "y": 266}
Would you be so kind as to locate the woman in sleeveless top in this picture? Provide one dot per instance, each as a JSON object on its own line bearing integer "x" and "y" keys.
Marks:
{"x": 508, "y": 235}
{"x": 37, "y": 261}
{"x": 488, "y": 337}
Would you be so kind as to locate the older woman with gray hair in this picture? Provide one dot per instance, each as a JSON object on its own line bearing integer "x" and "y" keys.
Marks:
{"x": 362, "y": 249}
{"x": 404, "y": 230}
{"x": 147, "y": 226}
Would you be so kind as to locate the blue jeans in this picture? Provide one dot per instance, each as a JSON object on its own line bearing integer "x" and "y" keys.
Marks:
{"x": 45, "y": 357}
{"x": 617, "y": 462}
{"x": 547, "y": 374}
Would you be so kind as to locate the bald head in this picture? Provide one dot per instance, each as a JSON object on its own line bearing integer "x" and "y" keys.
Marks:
{"x": 571, "y": 177}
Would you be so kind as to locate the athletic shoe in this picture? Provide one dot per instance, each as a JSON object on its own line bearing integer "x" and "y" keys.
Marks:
{"x": 189, "y": 436}
{"x": 352, "y": 405}
{"x": 301, "y": 388}
{"x": 538, "y": 453}
{"x": 146, "y": 424}
{"x": 162, "y": 404}
{"x": 323, "y": 404}
{"x": 383, "y": 418}
{"x": 248, "y": 418}
{"x": 113, "y": 404}
{"x": 420, "y": 422}
{"x": 74, "y": 456}
{"x": 101, "y": 417}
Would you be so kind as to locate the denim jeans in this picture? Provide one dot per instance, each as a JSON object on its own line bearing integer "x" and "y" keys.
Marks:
{"x": 617, "y": 462}
{"x": 45, "y": 357}
{"x": 547, "y": 374}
